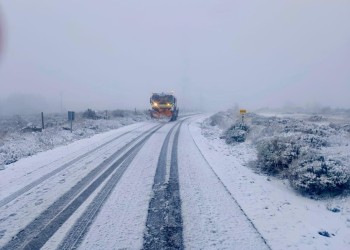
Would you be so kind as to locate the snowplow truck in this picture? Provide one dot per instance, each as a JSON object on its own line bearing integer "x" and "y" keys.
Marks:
{"x": 164, "y": 106}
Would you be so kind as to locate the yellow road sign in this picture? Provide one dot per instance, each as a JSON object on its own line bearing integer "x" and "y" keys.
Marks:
{"x": 242, "y": 111}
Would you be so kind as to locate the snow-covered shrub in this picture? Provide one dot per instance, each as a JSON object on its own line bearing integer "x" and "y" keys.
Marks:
{"x": 2, "y": 137}
{"x": 120, "y": 113}
{"x": 317, "y": 118}
{"x": 293, "y": 148}
{"x": 90, "y": 114}
{"x": 236, "y": 133}
{"x": 276, "y": 153}
{"x": 12, "y": 123}
{"x": 11, "y": 159}
{"x": 269, "y": 126}
{"x": 313, "y": 141}
{"x": 306, "y": 128}
{"x": 217, "y": 119}
{"x": 265, "y": 121}
{"x": 31, "y": 128}
{"x": 340, "y": 127}
{"x": 314, "y": 174}
{"x": 222, "y": 120}
{"x": 347, "y": 128}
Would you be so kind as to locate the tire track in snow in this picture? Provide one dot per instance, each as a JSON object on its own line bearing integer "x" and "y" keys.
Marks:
{"x": 81, "y": 226}
{"x": 164, "y": 221}
{"x": 37, "y": 182}
{"x": 35, "y": 235}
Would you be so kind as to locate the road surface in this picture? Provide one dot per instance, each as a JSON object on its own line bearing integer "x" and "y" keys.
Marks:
{"x": 143, "y": 186}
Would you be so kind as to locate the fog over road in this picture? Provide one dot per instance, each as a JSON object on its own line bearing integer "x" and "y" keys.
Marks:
{"x": 213, "y": 54}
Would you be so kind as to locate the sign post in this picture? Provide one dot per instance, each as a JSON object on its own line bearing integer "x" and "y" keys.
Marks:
{"x": 242, "y": 112}
{"x": 71, "y": 118}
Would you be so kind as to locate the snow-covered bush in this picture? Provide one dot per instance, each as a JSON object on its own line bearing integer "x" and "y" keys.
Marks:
{"x": 218, "y": 119}
{"x": 316, "y": 118}
{"x": 338, "y": 127}
{"x": 347, "y": 128}
{"x": 276, "y": 153}
{"x": 314, "y": 174}
{"x": 307, "y": 128}
{"x": 12, "y": 123}
{"x": 313, "y": 141}
{"x": 11, "y": 159}
{"x": 90, "y": 114}
{"x": 2, "y": 137}
{"x": 283, "y": 140}
{"x": 236, "y": 133}
{"x": 269, "y": 126}
{"x": 295, "y": 149}
{"x": 120, "y": 113}
{"x": 222, "y": 120}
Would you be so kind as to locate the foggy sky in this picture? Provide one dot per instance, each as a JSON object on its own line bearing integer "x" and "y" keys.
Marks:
{"x": 113, "y": 54}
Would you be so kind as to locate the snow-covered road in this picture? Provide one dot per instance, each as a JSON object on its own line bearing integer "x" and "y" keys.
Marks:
{"x": 148, "y": 185}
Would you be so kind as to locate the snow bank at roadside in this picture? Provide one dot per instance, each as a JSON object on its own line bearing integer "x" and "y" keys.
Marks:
{"x": 313, "y": 152}
{"x": 284, "y": 217}
{"x": 18, "y": 141}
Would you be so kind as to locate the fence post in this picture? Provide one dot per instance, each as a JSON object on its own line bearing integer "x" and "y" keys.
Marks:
{"x": 42, "y": 120}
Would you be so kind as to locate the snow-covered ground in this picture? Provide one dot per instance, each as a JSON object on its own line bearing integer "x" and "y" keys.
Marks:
{"x": 30, "y": 200}
{"x": 225, "y": 202}
{"x": 17, "y": 141}
{"x": 211, "y": 215}
{"x": 285, "y": 217}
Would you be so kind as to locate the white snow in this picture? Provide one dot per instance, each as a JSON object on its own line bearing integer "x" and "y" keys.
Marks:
{"x": 216, "y": 182}
{"x": 121, "y": 222}
{"x": 16, "y": 144}
{"x": 211, "y": 217}
{"x": 19, "y": 212}
{"x": 285, "y": 218}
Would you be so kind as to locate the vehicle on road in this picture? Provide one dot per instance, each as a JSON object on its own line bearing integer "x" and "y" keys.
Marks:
{"x": 164, "y": 105}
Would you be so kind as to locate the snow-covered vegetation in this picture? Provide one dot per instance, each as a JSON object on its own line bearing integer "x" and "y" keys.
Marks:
{"x": 21, "y": 136}
{"x": 223, "y": 119}
{"x": 312, "y": 151}
{"x": 236, "y": 133}
{"x": 314, "y": 173}
{"x": 275, "y": 154}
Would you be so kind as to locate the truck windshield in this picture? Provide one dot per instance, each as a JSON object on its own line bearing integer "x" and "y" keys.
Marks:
{"x": 163, "y": 98}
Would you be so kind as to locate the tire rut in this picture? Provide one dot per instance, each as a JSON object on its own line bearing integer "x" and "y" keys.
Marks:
{"x": 80, "y": 228}
{"x": 37, "y": 182}
{"x": 164, "y": 220}
{"x": 36, "y": 233}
